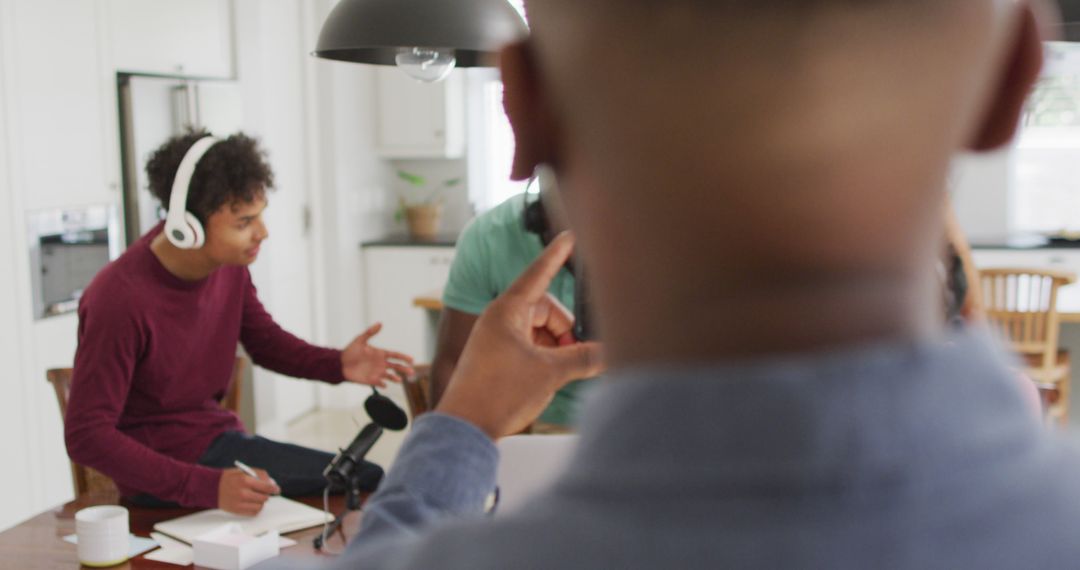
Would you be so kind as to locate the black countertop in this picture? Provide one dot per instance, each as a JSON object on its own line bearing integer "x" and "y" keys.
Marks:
{"x": 405, "y": 240}
{"x": 1023, "y": 241}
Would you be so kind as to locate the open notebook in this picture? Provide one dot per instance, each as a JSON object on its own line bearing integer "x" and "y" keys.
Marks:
{"x": 278, "y": 513}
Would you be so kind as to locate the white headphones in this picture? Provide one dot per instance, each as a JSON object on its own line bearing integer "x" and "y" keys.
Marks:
{"x": 182, "y": 228}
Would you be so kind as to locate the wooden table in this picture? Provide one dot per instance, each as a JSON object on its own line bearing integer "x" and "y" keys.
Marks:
{"x": 1069, "y": 317}
{"x": 431, "y": 301}
{"x": 38, "y": 543}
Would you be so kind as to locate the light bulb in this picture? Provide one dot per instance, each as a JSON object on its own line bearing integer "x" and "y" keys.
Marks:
{"x": 426, "y": 64}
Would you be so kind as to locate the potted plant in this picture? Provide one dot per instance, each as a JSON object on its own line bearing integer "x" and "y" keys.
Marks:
{"x": 422, "y": 214}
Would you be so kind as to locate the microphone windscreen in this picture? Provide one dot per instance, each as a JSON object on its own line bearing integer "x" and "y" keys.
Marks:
{"x": 384, "y": 412}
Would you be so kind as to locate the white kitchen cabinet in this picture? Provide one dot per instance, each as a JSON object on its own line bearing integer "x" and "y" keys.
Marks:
{"x": 1060, "y": 259}
{"x": 192, "y": 37}
{"x": 419, "y": 120}
{"x": 59, "y": 123}
{"x": 394, "y": 276}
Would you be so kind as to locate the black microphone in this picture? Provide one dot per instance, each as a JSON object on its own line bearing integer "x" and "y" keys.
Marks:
{"x": 344, "y": 466}
{"x": 384, "y": 412}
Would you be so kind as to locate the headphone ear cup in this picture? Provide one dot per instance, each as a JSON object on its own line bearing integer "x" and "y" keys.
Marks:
{"x": 197, "y": 232}
{"x": 178, "y": 233}
{"x": 536, "y": 218}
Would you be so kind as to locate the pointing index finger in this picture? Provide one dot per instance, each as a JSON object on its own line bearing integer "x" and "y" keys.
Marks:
{"x": 533, "y": 282}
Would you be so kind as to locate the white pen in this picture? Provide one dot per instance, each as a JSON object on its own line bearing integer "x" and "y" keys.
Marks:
{"x": 247, "y": 470}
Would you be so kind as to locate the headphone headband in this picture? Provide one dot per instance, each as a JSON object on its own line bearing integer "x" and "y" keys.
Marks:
{"x": 181, "y": 227}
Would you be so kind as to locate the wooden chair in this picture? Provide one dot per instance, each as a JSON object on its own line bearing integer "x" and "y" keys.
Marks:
{"x": 1021, "y": 305}
{"x": 89, "y": 480}
{"x": 418, "y": 390}
{"x": 418, "y": 397}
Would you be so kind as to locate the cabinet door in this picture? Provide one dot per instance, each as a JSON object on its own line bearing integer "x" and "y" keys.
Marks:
{"x": 1060, "y": 259}
{"x": 419, "y": 120}
{"x": 58, "y": 120}
{"x": 187, "y": 37}
{"x": 394, "y": 277}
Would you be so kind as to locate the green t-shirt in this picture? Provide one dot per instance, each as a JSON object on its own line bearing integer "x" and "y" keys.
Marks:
{"x": 491, "y": 253}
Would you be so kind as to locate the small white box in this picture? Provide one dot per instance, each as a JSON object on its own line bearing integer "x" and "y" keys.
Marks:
{"x": 229, "y": 548}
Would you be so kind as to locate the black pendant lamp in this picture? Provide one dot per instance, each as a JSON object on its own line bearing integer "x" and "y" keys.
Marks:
{"x": 426, "y": 38}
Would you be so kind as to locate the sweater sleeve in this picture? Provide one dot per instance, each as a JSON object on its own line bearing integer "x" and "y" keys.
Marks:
{"x": 110, "y": 341}
{"x": 273, "y": 348}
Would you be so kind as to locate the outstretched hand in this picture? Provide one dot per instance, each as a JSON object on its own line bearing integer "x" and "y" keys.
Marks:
{"x": 520, "y": 352}
{"x": 365, "y": 364}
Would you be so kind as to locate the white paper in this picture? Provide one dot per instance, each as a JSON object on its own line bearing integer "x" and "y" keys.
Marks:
{"x": 180, "y": 556}
{"x": 175, "y": 552}
{"x": 172, "y": 551}
{"x": 137, "y": 544}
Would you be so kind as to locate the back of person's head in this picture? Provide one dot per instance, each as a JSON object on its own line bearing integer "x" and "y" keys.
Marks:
{"x": 233, "y": 171}
{"x": 780, "y": 148}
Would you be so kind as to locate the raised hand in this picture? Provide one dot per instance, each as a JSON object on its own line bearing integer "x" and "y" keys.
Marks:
{"x": 365, "y": 364}
{"x": 520, "y": 352}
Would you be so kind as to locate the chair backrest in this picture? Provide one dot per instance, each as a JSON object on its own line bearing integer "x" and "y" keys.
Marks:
{"x": 87, "y": 480}
{"x": 1021, "y": 305}
{"x": 418, "y": 390}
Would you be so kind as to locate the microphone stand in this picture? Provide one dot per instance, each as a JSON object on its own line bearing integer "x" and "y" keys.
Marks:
{"x": 353, "y": 500}
{"x": 342, "y": 473}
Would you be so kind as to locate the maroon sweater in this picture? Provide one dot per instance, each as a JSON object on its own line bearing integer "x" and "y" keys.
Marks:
{"x": 155, "y": 356}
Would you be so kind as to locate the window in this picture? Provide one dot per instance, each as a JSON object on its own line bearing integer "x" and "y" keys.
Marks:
{"x": 491, "y": 141}
{"x": 1045, "y": 186}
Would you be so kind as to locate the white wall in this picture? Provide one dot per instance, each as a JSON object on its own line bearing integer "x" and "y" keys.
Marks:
{"x": 352, "y": 192}
{"x": 14, "y": 438}
{"x": 980, "y": 191}
{"x": 57, "y": 153}
{"x": 269, "y": 58}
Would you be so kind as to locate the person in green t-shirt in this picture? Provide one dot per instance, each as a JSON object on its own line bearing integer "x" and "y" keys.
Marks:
{"x": 491, "y": 252}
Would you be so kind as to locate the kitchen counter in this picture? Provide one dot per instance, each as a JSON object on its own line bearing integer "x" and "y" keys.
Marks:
{"x": 405, "y": 240}
{"x": 1022, "y": 242}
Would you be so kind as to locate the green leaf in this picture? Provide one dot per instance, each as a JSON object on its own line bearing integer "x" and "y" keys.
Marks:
{"x": 414, "y": 179}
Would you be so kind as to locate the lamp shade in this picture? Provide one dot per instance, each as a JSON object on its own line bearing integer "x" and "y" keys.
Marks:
{"x": 372, "y": 31}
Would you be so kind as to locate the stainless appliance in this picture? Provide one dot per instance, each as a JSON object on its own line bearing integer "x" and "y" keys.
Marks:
{"x": 67, "y": 248}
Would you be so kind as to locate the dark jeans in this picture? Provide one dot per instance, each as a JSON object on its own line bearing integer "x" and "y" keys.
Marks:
{"x": 297, "y": 470}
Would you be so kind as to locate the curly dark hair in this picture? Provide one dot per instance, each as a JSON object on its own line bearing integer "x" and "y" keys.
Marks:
{"x": 233, "y": 170}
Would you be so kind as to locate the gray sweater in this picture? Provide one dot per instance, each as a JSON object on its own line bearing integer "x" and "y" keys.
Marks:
{"x": 885, "y": 456}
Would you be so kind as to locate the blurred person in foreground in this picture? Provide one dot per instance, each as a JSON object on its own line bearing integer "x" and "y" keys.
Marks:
{"x": 757, "y": 188}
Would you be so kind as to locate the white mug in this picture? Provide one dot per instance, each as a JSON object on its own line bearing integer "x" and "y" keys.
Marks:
{"x": 103, "y": 535}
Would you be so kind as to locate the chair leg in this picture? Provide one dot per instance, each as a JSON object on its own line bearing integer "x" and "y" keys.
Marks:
{"x": 1063, "y": 400}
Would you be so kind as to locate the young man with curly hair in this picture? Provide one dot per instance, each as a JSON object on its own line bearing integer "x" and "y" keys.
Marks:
{"x": 158, "y": 332}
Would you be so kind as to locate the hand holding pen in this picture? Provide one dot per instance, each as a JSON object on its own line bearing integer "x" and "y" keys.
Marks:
{"x": 244, "y": 490}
